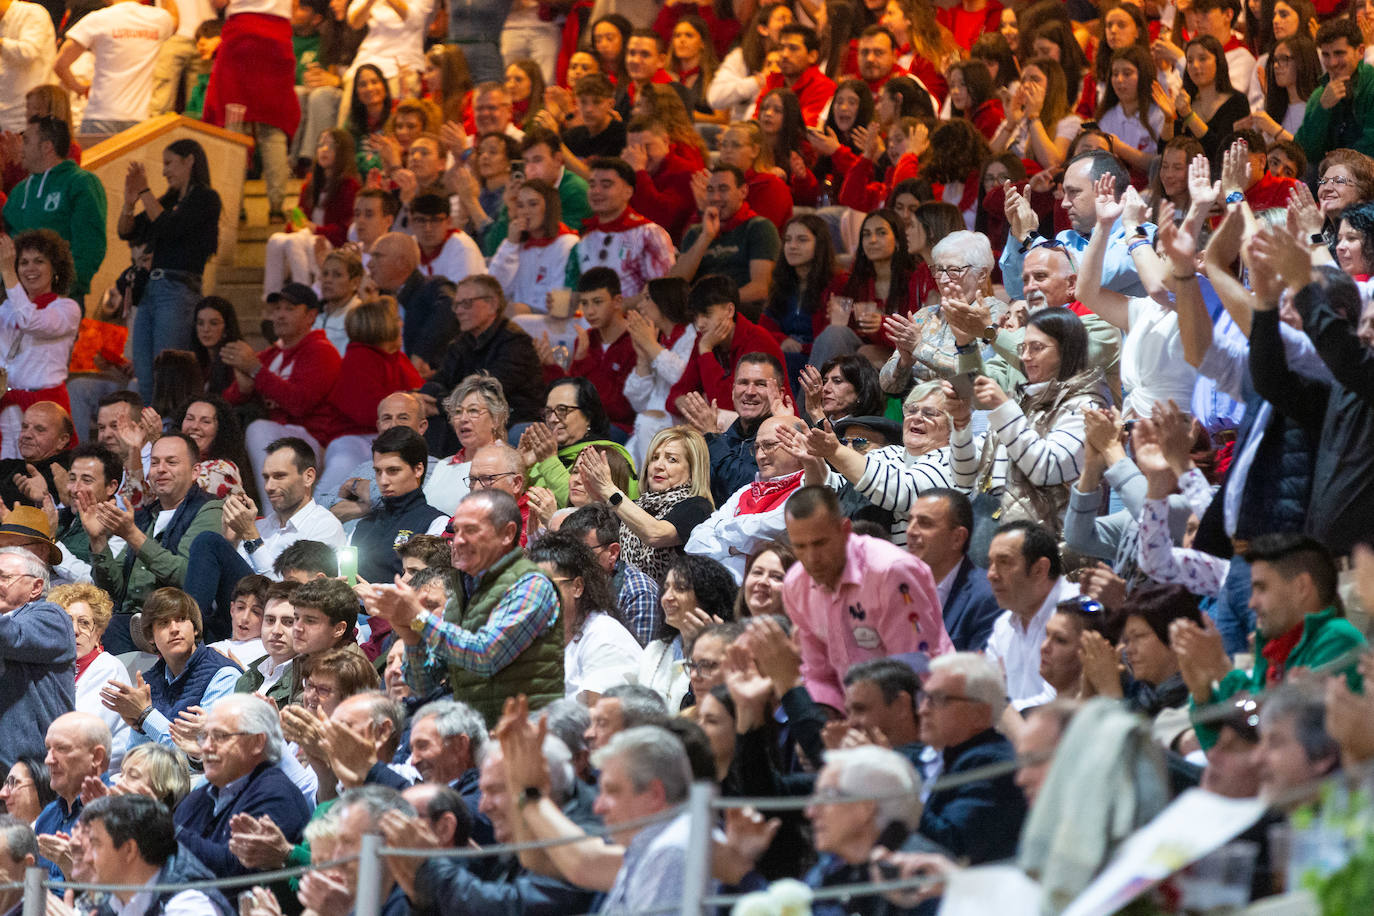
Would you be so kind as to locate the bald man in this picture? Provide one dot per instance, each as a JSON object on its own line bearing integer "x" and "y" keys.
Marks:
{"x": 355, "y": 494}
{"x": 426, "y": 302}
{"x": 78, "y": 748}
{"x": 46, "y": 434}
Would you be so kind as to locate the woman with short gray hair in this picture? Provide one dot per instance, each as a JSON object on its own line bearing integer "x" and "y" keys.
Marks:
{"x": 478, "y": 412}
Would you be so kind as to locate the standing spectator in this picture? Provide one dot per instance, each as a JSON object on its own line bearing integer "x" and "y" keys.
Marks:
{"x": 26, "y": 31}
{"x": 618, "y": 237}
{"x": 255, "y": 67}
{"x": 1208, "y": 106}
{"x": 505, "y": 642}
{"x": 291, "y": 378}
{"x": 59, "y": 195}
{"x": 183, "y": 228}
{"x": 38, "y": 648}
{"x": 125, "y": 41}
{"x": 38, "y": 325}
{"x": 853, "y": 598}
{"x": 395, "y": 36}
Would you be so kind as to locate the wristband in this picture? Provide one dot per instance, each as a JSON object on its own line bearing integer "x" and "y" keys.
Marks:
{"x": 1234, "y": 197}
{"x": 143, "y": 717}
{"x": 1318, "y": 239}
{"x": 1130, "y": 249}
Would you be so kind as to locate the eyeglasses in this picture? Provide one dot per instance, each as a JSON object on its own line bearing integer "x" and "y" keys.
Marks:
{"x": 487, "y": 481}
{"x": 705, "y": 668}
{"x": 930, "y": 413}
{"x": 1337, "y": 180}
{"x": 1031, "y": 348}
{"x": 471, "y": 413}
{"x": 954, "y": 273}
{"x": 857, "y": 443}
{"x": 7, "y": 578}
{"x": 937, "y": 700}
{"x": 14, "y": 785}
{"x": 470, "y": 302}
{"x": 561, "y": 411}
{"x": 1281, "y": 58}
{"x": 762, "y": 446}
{"x": 218, "y": 737}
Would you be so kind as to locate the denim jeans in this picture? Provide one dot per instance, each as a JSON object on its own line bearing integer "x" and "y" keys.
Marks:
{"x": 213, "y": 568}
{"x": 166, "y": 320}
{"x": 1232, "y": 613}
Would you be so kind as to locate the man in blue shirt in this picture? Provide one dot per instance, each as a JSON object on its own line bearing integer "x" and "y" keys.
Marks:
{"x": 78, "y": 746}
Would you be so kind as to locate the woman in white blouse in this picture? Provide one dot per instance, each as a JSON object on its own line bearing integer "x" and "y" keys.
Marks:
{"x": 1040, "y": 122}
{"x": 532, "y": 259}
{"x": 478, "y": 412}
{"x": 663, "y": 339}
{"x": 38, "y": 325}
{"x": 1291, "y": 73}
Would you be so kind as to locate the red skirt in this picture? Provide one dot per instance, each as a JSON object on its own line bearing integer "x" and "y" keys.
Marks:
{"x": 254, "y": 67}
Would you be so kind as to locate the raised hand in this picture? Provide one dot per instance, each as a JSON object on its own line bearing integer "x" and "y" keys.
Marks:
{"x": 823, "y": 140}
{"x": 700, "y": 179}
{"x": 702, "y": 416}
{"x": 1021, "y": 216}
{"x": 1304, "y": 216}
{"x": 1235, "y": 167}
{"x": 1202, "y": 191}
{"x": 128, "y": 701}
{"x": 537, "y": 443}
{"x": 1175, "y": 432}
{"x": 987, "y": 394}
{"x": 774, "y": 652}
{"x": 1201, "y": 655}
{"x": 1101, "y": 428}
{"x": 1108, "y": 207}
{"x": 1102, "y": 668}
{"x": 810, "y": 381}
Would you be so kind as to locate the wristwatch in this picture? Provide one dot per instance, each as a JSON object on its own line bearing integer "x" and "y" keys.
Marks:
{"x": 253, "y": 545}
{"x": 531, "y": 794}
{"x": 990, "y": 333}
{"x": 616, "y": 499}
{"x": 1234, "y": 197}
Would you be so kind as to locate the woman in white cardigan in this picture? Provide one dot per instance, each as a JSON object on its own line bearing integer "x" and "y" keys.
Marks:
{"x": 663, "y": 339}
{"x": 532, "y": 260}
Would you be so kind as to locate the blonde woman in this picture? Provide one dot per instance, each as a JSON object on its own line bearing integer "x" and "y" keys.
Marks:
{"x": 675, "y": 497}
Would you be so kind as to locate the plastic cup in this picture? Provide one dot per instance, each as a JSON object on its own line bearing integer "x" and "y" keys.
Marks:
{"x": 234, "y": 115}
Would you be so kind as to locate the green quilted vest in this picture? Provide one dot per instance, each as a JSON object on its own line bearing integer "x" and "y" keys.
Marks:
{"x": 537, "y": 672}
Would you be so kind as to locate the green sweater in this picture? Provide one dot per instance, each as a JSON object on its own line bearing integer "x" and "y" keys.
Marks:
{"x": 155, "y": 566}
{"x": 1349, "y": 123}
{"x": 572, "y": 193}
{"x": 1325, "y": 637}
{"x": 552, "y": 473}
{"x": 71, "y": 202}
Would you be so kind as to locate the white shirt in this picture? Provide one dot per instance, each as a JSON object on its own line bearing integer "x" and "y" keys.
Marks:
{"x": 27, "y": 51}
{"x": 333, "y": 325}
{"x": 1017, "y": 647}
{"x": 191, "y": 13}
{"x": 392, "y": 42}
{"x": 243, "y": 651}
{"x": 528, "y": 272}
{"x": 272, "y": 672}
{"x": 311, "y": 522}
{"x": 946, "y": 585}
{"x": 1129, "y": 130}
{"x": 185, "y": 903}
{"x": 604, "y": 655}
{"x": 103, "y": 669}
{"x": 36, "y": 343}
{"x": 457, "y": 259}
{"x": 447, "y": 484}
{"x": 280, "y": 8}
{"x": 125, "y": 39}
{"x": 1153, "y": 367}
{"x": 648, "y": 394}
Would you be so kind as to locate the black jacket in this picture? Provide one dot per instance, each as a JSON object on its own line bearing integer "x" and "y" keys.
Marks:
{"x": 980, "y": 821}
{"x": 429, "y": 327}
{"x": 378, "y": 534}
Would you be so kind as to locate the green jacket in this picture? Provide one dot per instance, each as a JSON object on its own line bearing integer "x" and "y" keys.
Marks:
{"x": 572, "y": 192}
{"x": 1349, "y": 123}
{"x": 553, "y": 472}
{"x": 154, "y": 566}
{"x": 536, "y": 672}
{"x": 71, "y": 202}
{"x": 1325, "y": 636}
{"x": 281, "y": 691}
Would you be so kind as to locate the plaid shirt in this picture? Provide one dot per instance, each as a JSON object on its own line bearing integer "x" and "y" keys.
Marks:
{"x": 637, "y": 597}
{"x": 526, "y": 610}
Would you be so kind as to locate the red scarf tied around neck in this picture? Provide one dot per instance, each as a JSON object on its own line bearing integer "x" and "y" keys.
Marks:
{"x": 767, "y": 495}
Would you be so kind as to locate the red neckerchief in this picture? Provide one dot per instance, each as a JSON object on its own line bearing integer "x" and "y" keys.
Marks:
{"x": 1276, "y": 652}
{"x": 743, "y": 215}
{"x": 426, "y": 260}
{"x": 688, "y": 74}
{"x": 84, "y": 661}
{"x": 544, "y": 243}
{"x": 43, "y": 300}
{"x": 766, "y": 495}
{"x": 518, "y": 110}
{"x": 628, "y": 219}
{"x": 460, "y": 456}
{"x": 1234, "y": 43}
{"x": 676, "y": 335}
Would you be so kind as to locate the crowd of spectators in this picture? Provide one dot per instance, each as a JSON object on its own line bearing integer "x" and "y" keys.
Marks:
{"x": 807, "y": 398}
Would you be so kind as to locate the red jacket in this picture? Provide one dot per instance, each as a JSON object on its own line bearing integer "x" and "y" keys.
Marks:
{"x": 861, "y": 193}
{"x": 968, "y": 26}
{"x": 367, "y": 375}
{"x": 770, "y": 197}
{"x": 665, "y": 196}
{"x": 988, "y": 116}
{"x": 716, "y": 382}
{"x": 606, "y": 369}
{"x": 293, "y": 393}
{"x": 813, "y": 89}
{"x": 338, "y": 210}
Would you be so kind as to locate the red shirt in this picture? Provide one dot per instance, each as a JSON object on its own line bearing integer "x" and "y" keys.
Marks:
{"x": 769, "y": 197}
{"x": 1269, "y": 192}
{"x": 366, "y": 376}
{"x": 716, "y": 382}
{"x": 294, "y": 391}
{"x": 968, "y": 26}
{"x": 860, "y": 192}
{"x": 606, "y": 368}
{"x": 665, "y": 195}
{"x": 813, "y": 89}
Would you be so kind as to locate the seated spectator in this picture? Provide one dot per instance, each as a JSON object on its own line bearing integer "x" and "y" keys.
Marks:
{"x": 20, "y": 844}
{"x": 426, "y": 302}
{"x": 605, "y": 353}
{"x": 272, "y": 675}
{"x": 844, "y": 386}
{"x": 244, "y": 643}
{"x": 505, "y": 638}
{"x": 131, "y": 840}
{"x": 616, "y": 235}
{"x": 38, "y": 324}
{"x": 187, "y": 672}
{"x": 46, "y": 434}
{"x": 636, "y": 593}
{"x": 839, "y": 572}
{"x": 358, "y": 494}
{"x": 600, "y": 133}
{"x": 619, "y": 708}
{"x": 1295, "y": 749}
{"x": 758, "y": 391}
{"x": 938, "y": 533}
{"x": 242, "y": 744}
{"x": 761, "y": 593}
{"x": 531, "y": 261}
{"x": 306, "y": 561}
{"x": 90, "y": 610}
{"x": 214, "y": 427}
{"x": 292, "y": 377}
{"x": 1071, "y": 643}
{"x": 543, "y": 156}
{"x": 340, "y": 276}
{"x": 374, "y": 215}
{"x": 156, "y": 554}
{"x": 959, "y": 705}
{"x": 753, "y": 515}
{"x": 27, "y": 789}
{"x": 1026, "y": 576}
{"x": 1300, "y": 624}
{"x": 599, "y": 650}
{"x": 38, "y": 650}
{"x": 732, "y": 240}
{"x": 78, "y": 748}
{"x": 478, "y": 413}
{"x": 487, "y": 341}
{"x": 724, "y": 338}
{"x": 880, "y": 700}
{"x": 574, "y": 420}
{"x": 359, "y": 811}
{"x": 445, "y": 251}
{"x": 697, "y": 591}
{"x": 326, "y": 208}
{"x": 76, "y": 214}
{"x": 798, "y": 52}
{"x": 1327, "y": 124}
{"x": 399, "y": 458}
{"x": 328, "y": 678}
